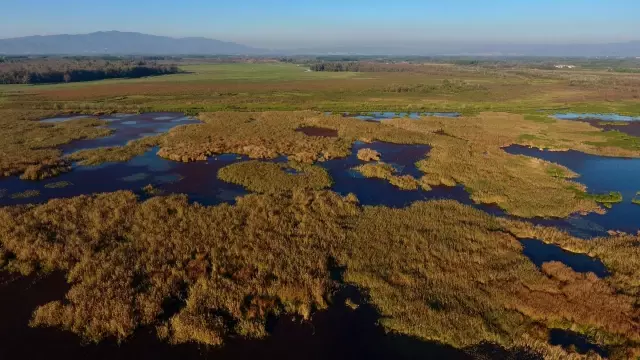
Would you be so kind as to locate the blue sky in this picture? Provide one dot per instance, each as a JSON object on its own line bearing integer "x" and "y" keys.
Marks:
{"x": 300, "y": 23}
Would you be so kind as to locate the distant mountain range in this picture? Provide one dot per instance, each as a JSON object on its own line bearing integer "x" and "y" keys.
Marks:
{"x": 130, "y": 43}
{"x": 120, "y": 43}
{"x": 626, "y": 49}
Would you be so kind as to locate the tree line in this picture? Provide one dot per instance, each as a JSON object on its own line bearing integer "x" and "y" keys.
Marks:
{"x": 362, "y": 66}
{"x": 50, "y": 70}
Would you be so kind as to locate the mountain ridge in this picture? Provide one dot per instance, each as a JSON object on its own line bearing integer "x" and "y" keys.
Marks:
{"x": 134, "y": 43}
{"x": 119, "y": 42}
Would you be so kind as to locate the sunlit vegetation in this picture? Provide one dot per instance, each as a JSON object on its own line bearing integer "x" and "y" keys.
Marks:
{"x": 29, "y": 147}
{"x": 381, "y": 170}
{"x": 269, "y": 86}
{"x": 466, "y": 151}
{"x": 636, "y": 199}
{"x": 115, "y": 153}
{"x": 203, "y": 273}
{"x": 445, "y": 87}
{"x": 268, "y": 135}
{"x": 367, "y": 154}
{"x": 619, "y": 253}
{"x": 607, "y": 200}
{"x": 268, "y": 177}
{"x": 52, "y": 70}
{"x": 435, "y": 270}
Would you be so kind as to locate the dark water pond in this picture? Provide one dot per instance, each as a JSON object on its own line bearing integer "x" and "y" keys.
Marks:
{"x": 574, "y": 342}
{"x": 629, "y": 125}
{"x": 601, "y": 175}
{"x": 127, "y": 127}
{"x": 385, "y": 115}
{"x": 379, "y": 191}
{"x": 539, "y": 252}
{"x": 196, "y": 179}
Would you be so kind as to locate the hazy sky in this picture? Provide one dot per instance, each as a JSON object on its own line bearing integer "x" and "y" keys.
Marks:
{"x": 300, "y": 23}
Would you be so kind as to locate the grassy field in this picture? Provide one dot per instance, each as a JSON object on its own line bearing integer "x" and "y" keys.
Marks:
{"x": 213, "y": 87}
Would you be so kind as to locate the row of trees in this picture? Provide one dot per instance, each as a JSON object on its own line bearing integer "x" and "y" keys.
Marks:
{"x": 362, "y": 66}
{"x": 52, "y": 70}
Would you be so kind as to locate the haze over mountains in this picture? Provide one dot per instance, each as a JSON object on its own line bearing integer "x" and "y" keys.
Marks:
{"x": 130, "y": 43}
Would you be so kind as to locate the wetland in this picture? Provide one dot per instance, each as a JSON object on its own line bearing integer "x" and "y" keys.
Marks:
{"x": 339, "y": 232}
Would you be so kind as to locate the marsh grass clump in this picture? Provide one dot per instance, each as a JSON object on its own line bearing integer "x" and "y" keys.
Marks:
{"x": 367, "y": 154}
{"x": 269, "y": 177}
{"x": 58, "y": 185}
{"x": 29, "y": 147}
{"x": 152, "y": 190}
{"x": 612, "y": 197}
{"x": 381, "y": 170}
{"x": 607, "y": 200}
{"x": 233, "y": 265}
{"x": 440, "y": 263}
{"x": 635, "y": 200}
{"x": 25, "y": 194}
{"x": 127, "y": 152}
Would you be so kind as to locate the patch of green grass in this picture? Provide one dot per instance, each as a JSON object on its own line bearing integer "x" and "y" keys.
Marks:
{"x": 636, "y": 199}
{"x": 607, "y": 199}
{"x": 558, "y": 171}
{"x": 540, "y": 118}
{"x": 617, "y": 139}
{"x": 529, "y": 137}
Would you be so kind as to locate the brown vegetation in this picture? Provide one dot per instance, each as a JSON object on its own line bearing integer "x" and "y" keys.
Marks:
{"x": 367, "y": 154}
{"x": 467, "y": 151}
{"x": 381, "y": 170}
{"x": 203, "y": 273}
{"x": 115, "y": 153}
{"x": 268, "y": 177}
{"x": 28, "y": 147}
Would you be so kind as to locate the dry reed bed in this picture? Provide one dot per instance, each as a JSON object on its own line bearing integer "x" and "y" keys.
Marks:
{"x": 437, "y": 270}
{"x": 268, "y": 177}
{"x": 466, "y": 151}
{"x": 381, "y": 170}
